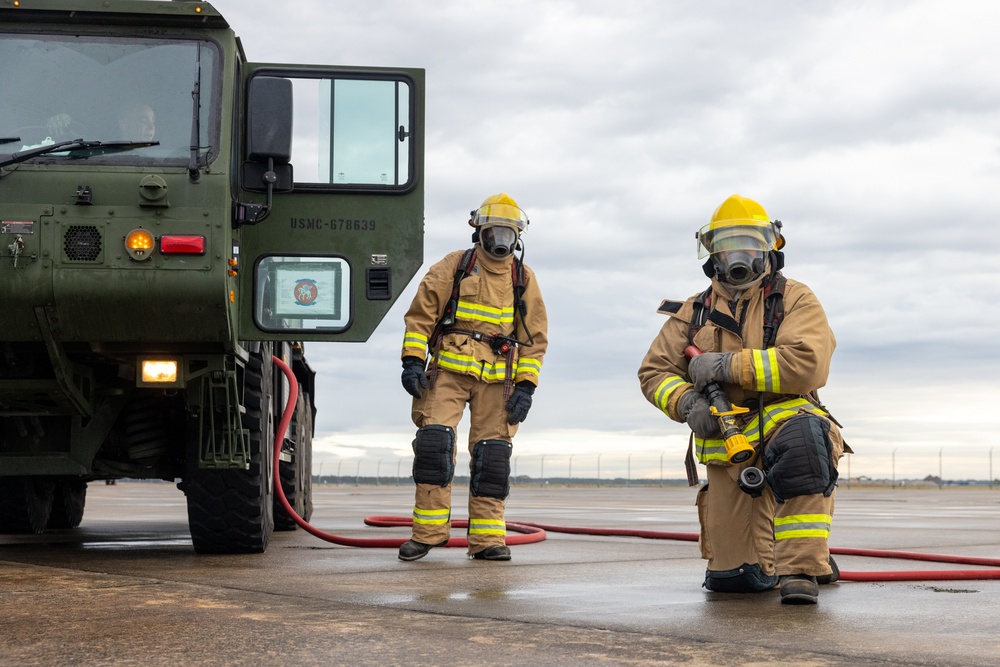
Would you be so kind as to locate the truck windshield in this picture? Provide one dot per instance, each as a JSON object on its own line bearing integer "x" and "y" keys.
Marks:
{"x": 57, "y": 88}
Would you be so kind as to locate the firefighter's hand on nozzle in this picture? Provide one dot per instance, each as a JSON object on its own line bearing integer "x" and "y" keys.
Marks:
{"x": 414, "y": 378}
{"x": 696, "y": 411}
{"x": 519, "y": 402}
{"x": 709, "y": 367}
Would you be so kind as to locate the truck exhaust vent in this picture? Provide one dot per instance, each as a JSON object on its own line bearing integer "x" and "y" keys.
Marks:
{"x": 82, "y": 243}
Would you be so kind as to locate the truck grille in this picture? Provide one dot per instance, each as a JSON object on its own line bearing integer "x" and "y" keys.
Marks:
{"x": 82, "y": 243}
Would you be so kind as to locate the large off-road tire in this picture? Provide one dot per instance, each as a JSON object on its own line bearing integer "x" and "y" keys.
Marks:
{"x": 231, "y": 511}
{"x": 296, "y": 475}
{"x": 25, "y": 504}
{"x": 68, "y": 503}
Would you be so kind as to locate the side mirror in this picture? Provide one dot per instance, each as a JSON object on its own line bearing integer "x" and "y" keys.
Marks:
{"x": 269, "y": 120}
{"x": 269, "y": 138}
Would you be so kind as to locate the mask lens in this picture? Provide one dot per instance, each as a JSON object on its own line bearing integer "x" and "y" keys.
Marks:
{"x": 499, "y": 241}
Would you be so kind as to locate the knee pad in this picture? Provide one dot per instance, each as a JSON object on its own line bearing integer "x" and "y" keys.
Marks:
{"x": 433, "y": 455}
{"x": 800, "y": 458}
{"x": 744, "y": 579}
{"x": 491, "y": 469}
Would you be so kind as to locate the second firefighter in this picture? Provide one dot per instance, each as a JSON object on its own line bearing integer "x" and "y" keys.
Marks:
{"x": 476, "y": 334}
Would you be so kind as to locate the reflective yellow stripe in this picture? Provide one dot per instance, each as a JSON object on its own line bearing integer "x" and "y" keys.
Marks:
{"x": 528, "y": 366}
{"x": 431, "y": 517}
{"x": 666, "y": 388}
{"x": 765, "y": 366}
{"x": 414, "y": 339}
{"x": 481, "y": 313}
{"x": 487, "y": 527}
{"x": 774, "y": 414}
{"x": 462, "y": 363}
{"x": 802, "y": 525}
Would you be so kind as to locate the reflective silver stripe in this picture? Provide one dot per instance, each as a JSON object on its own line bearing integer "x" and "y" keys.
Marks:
{"x": 802, "y": 525}
{"x": 666, "y": 388}
{"x": 487, "y": 527}
{"x": 774, "y": 414}
{"x": 528, "y": 366}
{"x": 431, "y": 517}
{"x": 765, "y": 365}
{"x": 414, "y": 339}
{"x": 481, "y": 313}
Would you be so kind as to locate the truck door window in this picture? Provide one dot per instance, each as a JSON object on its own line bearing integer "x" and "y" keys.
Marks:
{"x": 352, "y": 132}
{"x": 104, "y": 88}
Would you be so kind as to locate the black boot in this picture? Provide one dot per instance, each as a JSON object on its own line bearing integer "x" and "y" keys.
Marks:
{"x": 832, "y": 577}
{"x": 799, "y": 589}
{"x": 496, "y": 552}
{"x": 413, "y": 550}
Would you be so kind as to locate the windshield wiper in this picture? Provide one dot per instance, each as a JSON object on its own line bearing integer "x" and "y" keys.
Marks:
{"x": 9, "y": 140}
{"x": 78, "y": 149}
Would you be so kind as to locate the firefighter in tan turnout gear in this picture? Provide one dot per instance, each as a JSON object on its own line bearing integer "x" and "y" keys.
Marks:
{"x": 766, "y": 342}
{"x": 476, "y": 334}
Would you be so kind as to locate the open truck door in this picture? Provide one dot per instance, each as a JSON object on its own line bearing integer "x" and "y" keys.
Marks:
{"x": 330, "y": 199}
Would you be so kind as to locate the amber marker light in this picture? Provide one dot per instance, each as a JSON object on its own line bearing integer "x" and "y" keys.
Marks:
{"x": 159, "y": 371}
{"x": 180, "y": 244}
{"x": 139, "y": 243}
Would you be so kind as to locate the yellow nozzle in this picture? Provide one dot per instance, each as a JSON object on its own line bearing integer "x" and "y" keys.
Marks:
{"x": 738, "y": 449}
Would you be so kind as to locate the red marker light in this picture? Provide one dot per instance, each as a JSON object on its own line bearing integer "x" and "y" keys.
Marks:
{"x": 176, "y": 244}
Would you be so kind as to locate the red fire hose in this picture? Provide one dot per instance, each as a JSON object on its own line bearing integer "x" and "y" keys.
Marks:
{"x": 536, "y": 532}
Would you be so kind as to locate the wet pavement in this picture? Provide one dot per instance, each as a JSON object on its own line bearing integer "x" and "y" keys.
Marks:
{"x": 127, "y": 588}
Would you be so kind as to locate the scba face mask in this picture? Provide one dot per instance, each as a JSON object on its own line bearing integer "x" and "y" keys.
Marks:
{"x": 739, "y": 267}
{"x": 499, "y": 242}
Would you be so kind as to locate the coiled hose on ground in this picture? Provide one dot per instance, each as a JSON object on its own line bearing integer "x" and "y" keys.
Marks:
{"x": 536, "y": 532}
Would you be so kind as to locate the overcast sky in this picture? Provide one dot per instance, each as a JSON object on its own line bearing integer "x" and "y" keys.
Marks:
{"x": 869, "y": 128}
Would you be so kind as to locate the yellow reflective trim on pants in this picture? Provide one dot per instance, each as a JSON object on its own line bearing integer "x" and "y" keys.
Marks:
{"x": 666, "y": 388}
{"x": 715, "y": 449}
{"x": 765, "y": 366}
{"x": 481, "y": 313}
{"x": 431, "y": 517}
{"x": 487, "y": 527}
{"x": 802, "y": 525}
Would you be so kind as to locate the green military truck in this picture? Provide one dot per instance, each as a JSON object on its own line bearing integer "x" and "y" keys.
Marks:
{"x": 170, "y": 222}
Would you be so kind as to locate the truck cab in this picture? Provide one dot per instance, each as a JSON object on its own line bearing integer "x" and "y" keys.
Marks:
{"x": 173, "y": 220}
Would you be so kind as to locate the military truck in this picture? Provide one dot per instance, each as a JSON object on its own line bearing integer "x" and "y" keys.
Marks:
{"x": 172, "y": 219}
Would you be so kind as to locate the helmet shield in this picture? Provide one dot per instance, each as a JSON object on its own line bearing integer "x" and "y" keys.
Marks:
{"x": 498, "y": 241}
{"x": 509, "y": 215}
{"x": 746, "y": 235}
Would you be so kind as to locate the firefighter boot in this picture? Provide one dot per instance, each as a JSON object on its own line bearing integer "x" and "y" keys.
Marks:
{"x": 799, "y": 589}
{"x": 496, "y": 552}
{"x": 413, "y": 550}
{"x": 832, "y": 577}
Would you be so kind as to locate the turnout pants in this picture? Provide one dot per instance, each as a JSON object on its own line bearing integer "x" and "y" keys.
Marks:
{"x": 444, "y": 405}
{"x": 783, "y": 538}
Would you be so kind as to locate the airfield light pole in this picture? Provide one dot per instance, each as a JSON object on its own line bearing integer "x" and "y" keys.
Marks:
{"x": 357, "y": 475}
{"x": 598, "y": 470}
{"x": 398, "y": 461}
{"x": 339, "y": 463}
{"x": 570, "y": 475}
{"x": 541, "y": 472}
{"x": 894, "y": 468}
{"x": 628, "y": 469}
{"x": 940, "y": 469}
{"x": 378, "y": 472}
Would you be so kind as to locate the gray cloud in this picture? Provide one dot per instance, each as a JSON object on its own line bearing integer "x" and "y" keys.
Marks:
{"x": 870, "y": 129}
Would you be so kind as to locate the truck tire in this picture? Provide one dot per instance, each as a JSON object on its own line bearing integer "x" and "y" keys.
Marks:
{"x": 296, "y": 475}
{"x": 231, "y": 511}
{"x": 67, "y": 503}
{"x": 25, "y": 504}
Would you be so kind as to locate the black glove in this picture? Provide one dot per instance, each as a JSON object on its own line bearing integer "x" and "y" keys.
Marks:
{"x": 696, "y": 411}
{"x": 710, "y": 367}
{"x": 520, "y": 402}
{"x": 414, "y": 376}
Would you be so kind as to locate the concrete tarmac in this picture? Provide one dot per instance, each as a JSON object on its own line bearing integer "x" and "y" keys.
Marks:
{"x": 126, "y": 588}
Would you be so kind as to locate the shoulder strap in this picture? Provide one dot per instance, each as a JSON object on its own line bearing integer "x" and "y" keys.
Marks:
{"x": 774, "y": 307}
{"x": 702, "y": 306}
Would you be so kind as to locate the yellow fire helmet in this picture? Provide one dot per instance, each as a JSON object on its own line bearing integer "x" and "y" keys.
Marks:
{"x": 499, "y": 209}
{"x": 739, "y": 224}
